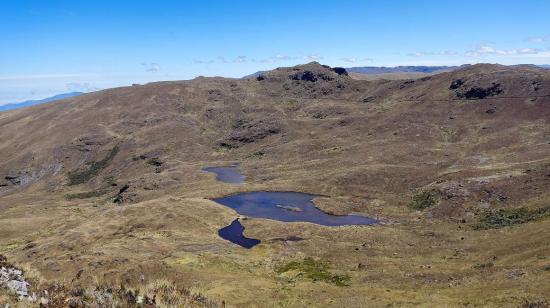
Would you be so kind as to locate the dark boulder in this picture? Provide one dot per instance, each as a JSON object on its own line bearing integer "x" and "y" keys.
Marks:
{"x": 305, "y": 76}
{"x": 480, "y": 93}
{"x": 456, "y": 84}
{"x": 340, "y": 71}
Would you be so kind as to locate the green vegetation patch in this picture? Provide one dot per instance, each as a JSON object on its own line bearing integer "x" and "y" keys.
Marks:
{"x": 509, "y": 217}
{"x": 316, "y": 271}
{"x": 424, "y": 199}
{"x": 83, "y": 176}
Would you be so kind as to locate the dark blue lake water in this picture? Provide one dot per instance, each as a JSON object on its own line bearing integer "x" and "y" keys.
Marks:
{"x": 287, "y": 207}
{"x": 281, "y": 206}
{"x": 234, "y": 234}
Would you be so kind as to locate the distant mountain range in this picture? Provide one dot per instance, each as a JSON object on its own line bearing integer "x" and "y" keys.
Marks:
{"x": 374, "y": 70}
{"x": 39, "y": 101}
{"x": 399, "y": 69}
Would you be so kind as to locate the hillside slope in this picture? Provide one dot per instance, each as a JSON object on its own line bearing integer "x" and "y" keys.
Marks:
{"x": 108, "y": 187}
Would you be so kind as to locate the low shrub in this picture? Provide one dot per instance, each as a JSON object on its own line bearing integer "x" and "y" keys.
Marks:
{"x": 83, "y": 176}
{"x": 424, "y": 199}
{"x": 316, "y": 271}
{"x": 509, "y": 217}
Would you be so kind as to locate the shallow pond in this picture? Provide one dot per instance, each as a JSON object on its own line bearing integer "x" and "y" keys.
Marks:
{"x": 287, "y": 207}
{"x": 281, "y": 206}
{"x": 229, "y": 174}
{"x": 234, "y": 234}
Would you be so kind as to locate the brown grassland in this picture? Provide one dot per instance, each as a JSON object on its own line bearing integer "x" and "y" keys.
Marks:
{"x": 456, "y": 166}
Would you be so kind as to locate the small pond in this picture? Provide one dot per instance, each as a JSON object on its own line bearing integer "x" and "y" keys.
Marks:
{"x": 234, "y": 234}
{"x": 229, "y": 174}
{"x": 281, "y": 206}
{"x": 287, "y": 207}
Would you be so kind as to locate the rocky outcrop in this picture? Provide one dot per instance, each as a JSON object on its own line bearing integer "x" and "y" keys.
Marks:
{"x": 250, "y": 131}
{"x": 12, "y": 278}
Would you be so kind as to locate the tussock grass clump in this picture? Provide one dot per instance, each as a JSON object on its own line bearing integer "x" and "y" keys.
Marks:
{"x": 166, "y": 294}
{"x": 316, "y": 271}
{"x": 481, "y": 266}
{"x": 83, "y": 176}
{"x": 87, "y": 194}
{"x": 424, "y": 199}
{"x": 509, "y": 217}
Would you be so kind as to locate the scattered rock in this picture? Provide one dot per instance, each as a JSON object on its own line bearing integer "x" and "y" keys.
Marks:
{"x": 13, "y": 279}
{"x": 124, "y": 195}
{"x": 289, "y": 208}
{"x": 452, "y": 189}
{"x": 369, "y": 99}
{"x": 514, "y": 274}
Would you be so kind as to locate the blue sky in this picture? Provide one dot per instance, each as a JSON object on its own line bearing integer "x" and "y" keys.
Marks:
{"x": 50, "y": 47}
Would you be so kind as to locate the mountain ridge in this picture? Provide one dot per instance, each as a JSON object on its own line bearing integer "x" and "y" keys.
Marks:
{"x": 28, "y": 103}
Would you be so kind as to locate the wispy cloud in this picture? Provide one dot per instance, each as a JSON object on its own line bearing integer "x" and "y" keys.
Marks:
{"x": 355, "y": 60}
{"x": 538, "y": 39}
{"x": 313, "y": 57}
{"x": 433, "y": 53}
{"x": 81, "y": 87}
{"x": 245, "y": 59}
{"x": 198, "y": 61}
{"x": 349, "y": 60}
{"x": 276, "y": 58}
{"x": 482, "y": 50}
{"x": 151, "y": 67}
{"x": 240, "y": 59}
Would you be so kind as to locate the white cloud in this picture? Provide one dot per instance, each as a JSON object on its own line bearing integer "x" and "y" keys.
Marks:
{"x": 197, "y": 61}
{"x": 355, "y": 60}
{"x": 313, "y": 57}
{"x": 81, "y": 87}
{"x": 482, "y": 50}
{"x": 348, "y": 60}
{"x": 432, "y": 53}
{"x": 240, "y": 59}
{"x": 276, "y": 58}
{"x": 539, "y": 39}
{"x": 153, "y": 67}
